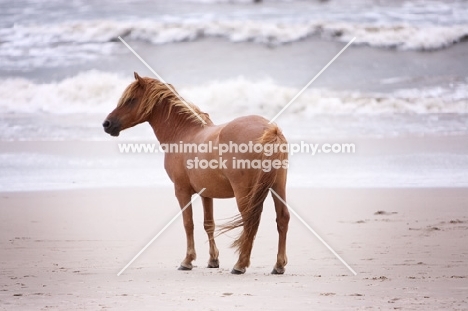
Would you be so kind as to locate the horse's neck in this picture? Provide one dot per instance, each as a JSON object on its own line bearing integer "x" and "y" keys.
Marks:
{"x": 172, "y": 128}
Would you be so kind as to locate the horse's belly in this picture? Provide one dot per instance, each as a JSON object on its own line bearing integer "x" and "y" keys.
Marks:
{"x": 216, "y": 185}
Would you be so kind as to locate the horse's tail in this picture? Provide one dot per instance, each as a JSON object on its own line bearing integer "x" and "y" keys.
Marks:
{"x": 251, "y": 210}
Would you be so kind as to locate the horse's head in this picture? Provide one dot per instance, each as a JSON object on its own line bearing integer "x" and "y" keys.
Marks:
{"x": 128, "y": 112}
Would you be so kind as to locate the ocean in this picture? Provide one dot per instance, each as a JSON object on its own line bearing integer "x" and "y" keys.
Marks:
{"x": 399, "y": 92}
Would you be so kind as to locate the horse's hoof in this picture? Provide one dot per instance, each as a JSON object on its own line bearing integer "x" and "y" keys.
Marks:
{"x": 183, "y": 268}
{"x": 213, "y": 263}
{"x": 278, "y": 271}
{"x": 235, "y": 271}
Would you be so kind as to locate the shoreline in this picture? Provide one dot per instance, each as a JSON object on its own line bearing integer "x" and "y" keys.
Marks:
{"x": 402, "y": 162}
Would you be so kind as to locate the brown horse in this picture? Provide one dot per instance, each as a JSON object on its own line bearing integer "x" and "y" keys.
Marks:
{"x": 174, "y": 121}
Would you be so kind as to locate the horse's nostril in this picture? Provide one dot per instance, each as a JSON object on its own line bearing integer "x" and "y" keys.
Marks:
{"x": 106, "y": 124}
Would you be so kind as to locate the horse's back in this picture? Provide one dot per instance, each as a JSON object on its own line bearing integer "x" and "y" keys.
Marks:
{"x": 244, "y": 129}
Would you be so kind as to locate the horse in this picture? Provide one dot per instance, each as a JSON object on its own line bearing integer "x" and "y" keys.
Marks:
{"x": 175, "y": 121}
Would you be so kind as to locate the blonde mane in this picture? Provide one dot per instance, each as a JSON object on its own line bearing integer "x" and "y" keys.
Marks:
{"x": 153, "y": 93}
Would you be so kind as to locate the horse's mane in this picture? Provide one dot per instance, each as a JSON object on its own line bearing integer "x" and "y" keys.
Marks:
{"x": 154, "y": 92}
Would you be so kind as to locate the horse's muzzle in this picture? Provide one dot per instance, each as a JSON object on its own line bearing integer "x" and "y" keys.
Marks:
{"x": 112, "y": 128}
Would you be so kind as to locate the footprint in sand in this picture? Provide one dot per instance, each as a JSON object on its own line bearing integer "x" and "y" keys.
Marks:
{"x": 385, "y": 213}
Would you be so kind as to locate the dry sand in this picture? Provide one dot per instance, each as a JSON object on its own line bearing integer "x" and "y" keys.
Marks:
{"x": 62, "y": 250}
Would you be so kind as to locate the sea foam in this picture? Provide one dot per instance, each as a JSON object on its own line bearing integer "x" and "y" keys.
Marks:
{"x": 49, "y": 45}
{"x": 98, "y": 92}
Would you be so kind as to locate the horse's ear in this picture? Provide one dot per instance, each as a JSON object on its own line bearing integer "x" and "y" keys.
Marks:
{"x": 138, "y": 78}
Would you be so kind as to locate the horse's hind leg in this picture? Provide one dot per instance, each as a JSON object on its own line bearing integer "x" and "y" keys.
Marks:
{"x": 282, "y": 221}
{"x": 209, "y": 225}
{"x": 246, "y": 239}
{"x": 184, "y": 197}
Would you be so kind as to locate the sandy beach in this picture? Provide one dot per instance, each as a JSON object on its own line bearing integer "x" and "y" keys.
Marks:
{"x": 62, "y": 250}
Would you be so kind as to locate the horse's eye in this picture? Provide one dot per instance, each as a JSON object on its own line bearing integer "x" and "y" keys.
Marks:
{"x": 131, "y": 101}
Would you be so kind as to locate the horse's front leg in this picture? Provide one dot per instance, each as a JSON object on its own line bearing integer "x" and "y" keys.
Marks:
{"x": 209, "y": 225}
{"x": 184, "y": 198}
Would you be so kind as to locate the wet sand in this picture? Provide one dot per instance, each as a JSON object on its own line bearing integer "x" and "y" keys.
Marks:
{"x": 62, "y": 250}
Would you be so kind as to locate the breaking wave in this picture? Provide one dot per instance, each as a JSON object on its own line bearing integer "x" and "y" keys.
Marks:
{"x": 34, "y": 46}
{"x": 98, "y": 92}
